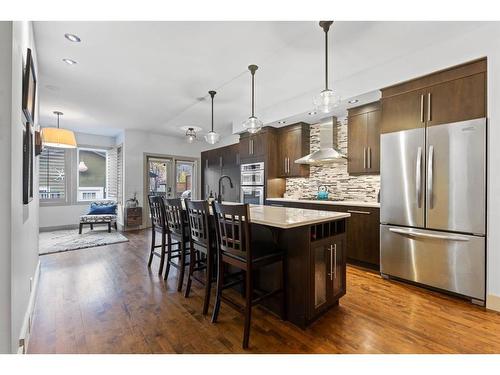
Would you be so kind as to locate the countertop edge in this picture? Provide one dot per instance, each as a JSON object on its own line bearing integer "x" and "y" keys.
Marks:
{"x": 332, "y": 203}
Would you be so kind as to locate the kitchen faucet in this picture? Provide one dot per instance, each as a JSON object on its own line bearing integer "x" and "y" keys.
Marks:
{"x": 219, "y": 196}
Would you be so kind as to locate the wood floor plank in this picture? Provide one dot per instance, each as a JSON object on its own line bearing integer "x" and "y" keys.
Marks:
{"x": 106, "y": 300}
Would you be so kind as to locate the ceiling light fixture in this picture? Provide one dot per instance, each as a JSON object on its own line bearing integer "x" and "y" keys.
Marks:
{"x": 212, "y": 137}
{"x": 326, "y": 100}
{"x": 353, "y": 101}
{"x": 69, "y": 61}
{"x": 282, "y": 122}
{"x": 312, "y": 113}
{"x": 72, "y": 38}
{"x": 191, "y": 135}
{"x": 253, "y": 124}
{"x": 57, "y": 137}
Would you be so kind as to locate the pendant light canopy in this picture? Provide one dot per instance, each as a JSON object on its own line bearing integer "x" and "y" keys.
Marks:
{"x": 191, "y": 135}
{"x": 212, "y": 137}
{"x": 326, "y": 100}
{"x": 253, "y": 124}
{"x": 56, "y": 137}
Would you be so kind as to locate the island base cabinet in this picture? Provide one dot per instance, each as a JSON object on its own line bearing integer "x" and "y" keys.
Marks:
{"x": 328, "y": 264}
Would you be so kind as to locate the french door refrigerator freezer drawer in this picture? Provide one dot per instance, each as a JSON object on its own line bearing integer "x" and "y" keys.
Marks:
{"x": 448, "y": 261}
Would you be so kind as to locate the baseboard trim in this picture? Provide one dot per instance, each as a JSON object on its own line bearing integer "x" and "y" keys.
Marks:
{"x": 28, "y": 316}
{"x": 493, "y": 302}
{"x": 59, "y": 227}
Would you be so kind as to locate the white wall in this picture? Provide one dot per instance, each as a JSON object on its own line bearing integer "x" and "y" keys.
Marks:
{"x": 22, "y": 241}
{"x": 5, "y": 190}
{"x": 52, "y": 217}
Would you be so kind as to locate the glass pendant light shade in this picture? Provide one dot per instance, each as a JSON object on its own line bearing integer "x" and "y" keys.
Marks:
{"x": 56, "y": 137}
{"x": 212, "y": 137}
{"x": 190, "y": 135}
{"x": 326, "y": 101}
{"x": 253, "y": 124}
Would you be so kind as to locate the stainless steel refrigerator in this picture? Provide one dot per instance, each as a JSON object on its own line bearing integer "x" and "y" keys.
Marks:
{"x": 433, "y": 207}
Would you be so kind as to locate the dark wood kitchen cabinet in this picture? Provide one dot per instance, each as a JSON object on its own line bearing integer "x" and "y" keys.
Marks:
{"x": 328, "y": 278}
{"x": 364, "y": 139}
{"x": 218, "y": 162}
{"x": 293, "y": 143}
{"x": 253, "y": 146}
{"x": 451, "y": 95}
{"x": 363, "y": 230}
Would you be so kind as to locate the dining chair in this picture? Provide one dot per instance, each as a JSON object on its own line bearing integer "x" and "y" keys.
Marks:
{"x": 235, "y": 248}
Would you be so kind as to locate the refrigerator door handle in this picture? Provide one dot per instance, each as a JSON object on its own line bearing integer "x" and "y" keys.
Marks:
{"x": 430, "y": 177}
{"x": 414, "y": 233}
{"x": 418, "y": 176}
{"x": 422, "y": 108}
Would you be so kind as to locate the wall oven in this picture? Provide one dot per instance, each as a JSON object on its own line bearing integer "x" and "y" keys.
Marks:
{"x": 252, "y": 183}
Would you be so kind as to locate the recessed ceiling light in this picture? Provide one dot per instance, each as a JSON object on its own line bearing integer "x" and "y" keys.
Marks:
{"x": 282, "y": 122}
{"x": 353, "y": 101}
{"x": 72, "y": 38}
{"x": 69, "y": 61}
{"x": 312, "y": 113}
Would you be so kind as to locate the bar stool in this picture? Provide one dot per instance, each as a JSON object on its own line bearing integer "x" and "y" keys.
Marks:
{"x": 178, "y": 231}
{"x": 235, "y": 247}
{"x": 158, "y": 224}
{"x": 202, "y": 244}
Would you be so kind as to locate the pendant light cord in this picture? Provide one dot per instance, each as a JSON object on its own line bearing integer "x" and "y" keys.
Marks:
{"x": 252, "y": 69}
{"x": 326, "y": 59}
{"x": 212, "y": 94}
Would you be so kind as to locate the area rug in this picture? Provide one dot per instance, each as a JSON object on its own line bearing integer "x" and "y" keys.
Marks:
{"x": 69, "y": 239}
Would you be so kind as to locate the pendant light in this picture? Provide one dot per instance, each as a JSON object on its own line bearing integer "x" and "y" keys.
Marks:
{"x": 253, "y": 124}
{"x": 191, "y": 135}
{"x": 326, "y": 100}
{"x": 57, "y": 137}
{"x": 212, "y": 137}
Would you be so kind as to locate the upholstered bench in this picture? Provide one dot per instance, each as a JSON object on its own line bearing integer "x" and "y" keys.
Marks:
{"x": 101, "y": 212}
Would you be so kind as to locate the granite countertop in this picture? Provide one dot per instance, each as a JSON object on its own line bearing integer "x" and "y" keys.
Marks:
{"x": 286, "y": 217}
{"x": 335, "y": 203}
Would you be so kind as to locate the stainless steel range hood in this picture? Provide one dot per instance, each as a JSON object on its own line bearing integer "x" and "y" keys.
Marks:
{"x": 328, "y": 150}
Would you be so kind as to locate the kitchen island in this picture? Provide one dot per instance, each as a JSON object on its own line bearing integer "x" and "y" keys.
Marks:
{"x": 315, "y": 243}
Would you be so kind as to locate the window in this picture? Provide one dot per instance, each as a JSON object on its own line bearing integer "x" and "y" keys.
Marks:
{"x": 114, "y": 189}
{"x": 52, "y": 175}
{"x": 92, "y": 174}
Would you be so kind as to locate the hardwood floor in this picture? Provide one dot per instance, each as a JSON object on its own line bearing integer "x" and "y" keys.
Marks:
{"x": 106, "y": 300}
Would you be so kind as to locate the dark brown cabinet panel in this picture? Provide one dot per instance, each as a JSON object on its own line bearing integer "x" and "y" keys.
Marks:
{"x": 364, "y": 139}
{"x": 217, "y": 162}
{"x": 293, "y": 143}
{"x": 363, "y": 235}
{"x": 403, "y": 112}
{"x": 253, "y": 146}
{"x": 458, "y": 100}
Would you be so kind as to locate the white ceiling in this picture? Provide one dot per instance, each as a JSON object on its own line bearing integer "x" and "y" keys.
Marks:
{"x": 154, "y": 76}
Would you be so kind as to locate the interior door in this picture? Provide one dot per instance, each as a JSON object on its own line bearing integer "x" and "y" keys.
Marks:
{"x": 184, "y": 179}
{"x": 456, "y": 176}
{"x": 402, "y": 178}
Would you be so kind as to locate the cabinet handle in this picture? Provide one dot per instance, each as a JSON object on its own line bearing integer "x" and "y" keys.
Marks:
{"x": 206, "y": 163}
{"x": 369, "y": 152}
{"x": 364, "y": 157}
{"x": 429, "y": 106}
{"x": 422, "y": 108}
{"x": 358, "y": 212}
{"x": 284, "y": 165}
{"x": 288, "y": 164}
{"x": 220, "y": 161}
{"x": 331, "y": 262}
{"x": 335, "y": 261}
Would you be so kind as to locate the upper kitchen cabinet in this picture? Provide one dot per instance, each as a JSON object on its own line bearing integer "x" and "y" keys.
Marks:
{"x": 451, "y": 95}
{"x": 293, "y": 143}
{"x": 253, "y": 146}
{"x": 364, "y": 139}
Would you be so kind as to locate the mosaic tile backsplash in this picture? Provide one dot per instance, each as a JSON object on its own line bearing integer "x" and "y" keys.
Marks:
{"x": 341, "y": 186}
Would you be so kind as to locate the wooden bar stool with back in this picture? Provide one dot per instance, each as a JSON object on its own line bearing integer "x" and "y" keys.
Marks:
{"x": 158, "y": 225}
{"x": 235, "y": 247}
{"x": 178, "y": 230}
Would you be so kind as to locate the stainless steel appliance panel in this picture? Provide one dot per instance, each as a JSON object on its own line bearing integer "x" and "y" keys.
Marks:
{"x": 252, "y": 194}
{"x": 456, "y": 177}
{"x": 402, "y": 178}
{"x": 448, "y": 261}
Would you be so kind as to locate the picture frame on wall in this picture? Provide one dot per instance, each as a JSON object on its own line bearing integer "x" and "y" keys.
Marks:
{"x": 28, "y": 135}
{"x": 29, "y": 88}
